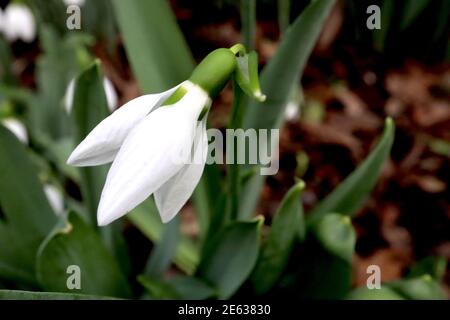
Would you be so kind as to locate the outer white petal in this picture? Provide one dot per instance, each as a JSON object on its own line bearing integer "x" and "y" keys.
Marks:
{"x": 19, "y": 23}
{"x": 173, "y": 194}
{"x": 147, "y": 158}
{"x": 16, "y": 127}
{"x": 103, "y": 142}
{"x": 110, "y": 93}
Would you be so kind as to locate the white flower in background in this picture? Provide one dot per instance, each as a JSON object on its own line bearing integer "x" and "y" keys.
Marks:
{"x": 17, "y": 22}
{"x": 55, "y": 198}
{"x": 16, "y": 127}
{"x": 110, "y": 92}
{"x": 74, "y": 2}
{"x": 292, "y": 110}
{"x": 149, "y": 145}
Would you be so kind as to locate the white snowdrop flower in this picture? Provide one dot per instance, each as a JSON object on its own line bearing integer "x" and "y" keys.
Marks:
{"x": 74, "y": 2}
{"x": 110, "y": 92}
{"x": 18, "y": 23}
{"x": 55, "y": 198}
{"x": 146, "y": 142}
{"x": 157, "y": 142}
{"x": 16, "y": 127}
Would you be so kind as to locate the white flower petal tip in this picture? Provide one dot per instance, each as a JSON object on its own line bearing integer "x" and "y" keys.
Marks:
{"x": 149, "y": 157}
{"x": 173, "y": 195}
{"x": 102, "y": 144}
{"x": 17, "y": 128}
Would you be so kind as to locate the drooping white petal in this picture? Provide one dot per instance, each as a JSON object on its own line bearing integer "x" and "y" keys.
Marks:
{"x": 19, "y": 23}
{"x": 16, "y": 127}
{"x": 173, "y": 194}
{"x": 149, "y": 155}
{"x": 103, "y": 142}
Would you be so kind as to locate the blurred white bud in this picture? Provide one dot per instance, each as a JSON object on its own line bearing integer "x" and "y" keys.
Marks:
{"x": 17, "y": 22}
{"x": 110, "y": 92}
{"x": 16, "y": 127}
{"x": 55, "y": 198}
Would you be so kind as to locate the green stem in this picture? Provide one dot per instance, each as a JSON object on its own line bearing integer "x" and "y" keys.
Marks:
{"x": 248, "y": 20}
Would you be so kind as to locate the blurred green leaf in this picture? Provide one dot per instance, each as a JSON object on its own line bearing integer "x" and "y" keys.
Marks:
{"x": 350, "y": 194}
{"x": 88, "y": 109}
{"x": 335, "y": 233}
{"x": 248, "y": 21}
{"x": 420, "y": 288}
{"x": 146, "y": 218}
{"x": 33, "y": 295}
{"x": 178, "y": 287}
{"x": 411, "y": 10}
{"x": 434, "y": 266}
{"x": 277, "y": 80}
{"x": 74, "y": 242}
{"x": 364, "y": 293}
{"x": 158, "y": 53}
{"x": 164, "y": 250}
{"x": 287, "y": 224}
{"x": 326, "y": 265}
{"x": 28, "y": 214}
{"x": 56, "y": 66}
{"x": 229, "y": 259}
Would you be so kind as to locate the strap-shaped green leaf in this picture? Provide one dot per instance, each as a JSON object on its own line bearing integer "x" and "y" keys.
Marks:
{"x": 287, "y": 224}
{"x": 34, "y": 295}
{"x": 158, "y": 53}
{"x": 229, "y": 259}
{"x": 28, "y": 214}
{"x": 348, "y": 197}
{"x": 74, "y": 243}
{"x": 277, "y": 80}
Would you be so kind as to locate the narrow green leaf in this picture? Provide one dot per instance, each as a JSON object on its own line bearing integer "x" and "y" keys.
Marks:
{"x": 326, "y": 265}
{"x": 178, "y": 287}
{"x": 287, "y": 224}
{"x": 164, "y": 250}
{"x": 349, "y": 196}
{"x": 420, "y": 288}
{"x": 89, "y": 108}
{"x": 248, "y": 21}
{"x": 337, "y": 236}
{"x": 28, "y": 214}
{"x": 158, "y": 53}
{"x": 74, "y": 242}
{"x": 229, "y": 259}
{"x": 411, "y": 10}
{"x": 434, "y": 266}
{"x": 146, "y": 218}
{"x": 364, "y": 293}
{"x": 32, "y": 295}
{"x": 277, "y": 80}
